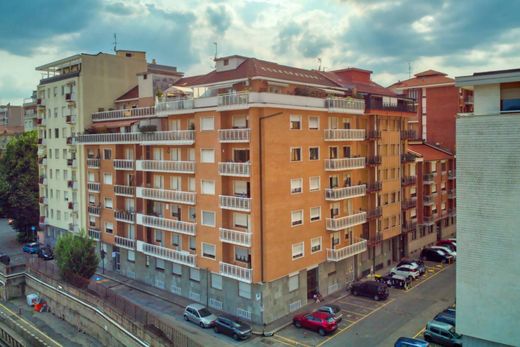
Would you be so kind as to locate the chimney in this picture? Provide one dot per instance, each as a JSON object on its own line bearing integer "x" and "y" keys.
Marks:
{"x": 153, "y": 61}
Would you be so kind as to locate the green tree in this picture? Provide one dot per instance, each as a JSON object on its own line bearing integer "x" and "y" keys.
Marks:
{"x": 19, "y": 183}
{"x": 76, "y": 256}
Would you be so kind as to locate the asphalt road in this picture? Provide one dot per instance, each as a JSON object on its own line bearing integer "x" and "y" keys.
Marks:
{"x": 8, "y": 243}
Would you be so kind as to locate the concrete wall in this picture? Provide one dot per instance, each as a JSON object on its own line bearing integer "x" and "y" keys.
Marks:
{"x": 488, "y": 172}
{"x": 487, "y": 99}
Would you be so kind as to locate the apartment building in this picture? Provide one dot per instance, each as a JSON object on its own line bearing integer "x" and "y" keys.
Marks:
{"x": 29, "y": 112}
{"x": 11, "y": 116}
{"x": 251, "y": 187}
{"x": 71, "y": 89}
{"x": 488, "y": 150}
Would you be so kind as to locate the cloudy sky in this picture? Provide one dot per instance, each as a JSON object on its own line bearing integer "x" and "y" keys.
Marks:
{"x": 454, "y": 36}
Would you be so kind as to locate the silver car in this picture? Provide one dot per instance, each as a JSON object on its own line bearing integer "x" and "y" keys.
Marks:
{"x": 200, "y": 315}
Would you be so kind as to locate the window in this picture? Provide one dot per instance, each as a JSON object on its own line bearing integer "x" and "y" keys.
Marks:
{"x": 195, "y": 274}
{"x": 216, "y": 281}
{"x": 239, "y": 122}
{"x": 108, "y": 203}
{"x": 92, "y": 221}
{"x": 314, "y": 153}
{"x": 315, "y": 213}
{"x": 296, "y": 154}
{"x": 57, "y": 154}
{"x": 207, "y": 187}
{"x": 241, "y": 220}
{"x": 294, "y": 282}
{"x": 316, "y": 245}
{"x": 193, "y": 244}
{"x": 131, "y": 256}
{"x": 159, "y": 264}
{"x": 207, "y": 123}
{"x": 297, "y": 250}
{"x": 177, "y": 240}
{"x": 244, "y": 290}
{"x": 314, "y": 123}
{"x": 297, "y": 217}
{"x": 107, "y": 178}
{"x": 107, "y": 154}
{"x": 109, "y": 228}
{"x": 208, "y": 218}
{"x": 192, "y": 215}
{"x": 314, "y": 183}
{"x": 158, "y": 236}
{"x": 91, "y": 177}
{"x": 58, "y": 215}
{"x": 176, "y": 183}
{"x": 296, "y": 185}
{"x": 56, "y": 133}
{"x": 207, "y": 155}
{"x": 242, "y": 254}
{"x": 177, "y": 269}
{"x": 175, "y": 154}
{"x": 208, "y": 250}
{"x": 175, "y": 211}
{"x": 295, "y": 122}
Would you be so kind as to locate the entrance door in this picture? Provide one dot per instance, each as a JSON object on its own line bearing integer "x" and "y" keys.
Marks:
{"x": 312, "y": 282}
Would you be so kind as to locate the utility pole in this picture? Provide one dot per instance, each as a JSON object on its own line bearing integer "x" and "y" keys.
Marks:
{"x": 115, "y": 42}
{"x": 216, "y": 49}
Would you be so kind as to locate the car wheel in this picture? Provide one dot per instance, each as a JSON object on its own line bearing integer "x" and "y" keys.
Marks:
{"x": 355, "y": 293}
{"x": 235, "y": 336}
{"x": 186, "y": 318}
{"x": 376, "y": 297}
{"x": 321, "y": 332}
{"x": 297, "y": 324}
{"x": 201, "y": 325}
{"x": 216, "y": 329}
{"x": 410, "y": 278}
{"x": 427, "y": 338}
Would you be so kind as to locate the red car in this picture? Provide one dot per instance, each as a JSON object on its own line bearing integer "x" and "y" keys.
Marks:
{"x": 448, "y": 243}
{"x": 321, "y": 322}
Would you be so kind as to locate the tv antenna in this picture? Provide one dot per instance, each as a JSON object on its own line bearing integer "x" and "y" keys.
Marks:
{"x": 319, "y": 66}
{"x": 216, "y": 49}
{"x": 115, "y": 42}
{"x": 409, "y": 69}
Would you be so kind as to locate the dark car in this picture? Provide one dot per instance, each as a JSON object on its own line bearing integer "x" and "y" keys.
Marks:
{"x": 45, "y": 253}
{"x": 372, "y": 289}
{"x": 232, "y": 327}
{"x": 31, "y": 248}
{"x": 395, "y": 281}
{"x": 435, "y": 255}
{"x": 333, "y": 310}
{"x": 445, "y": 318}
{"x": 418, "y": 262}
{"x": 410, "y": 342}
{"x": 5, "y": 259}
{"x": 321, "y": 322}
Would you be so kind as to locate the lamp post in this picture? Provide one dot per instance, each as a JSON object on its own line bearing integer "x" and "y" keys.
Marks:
{"x": 103, "y": 253}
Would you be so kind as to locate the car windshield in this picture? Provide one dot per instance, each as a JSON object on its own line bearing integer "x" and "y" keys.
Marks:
{"x": 330, "y": 320}
{"x": 452, "y": 331}
{"x": 204, "y": 312}
{"x": 440, "y": 251}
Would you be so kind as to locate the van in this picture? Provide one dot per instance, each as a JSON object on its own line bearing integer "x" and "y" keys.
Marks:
{"x": 372, "y": 289}
{"x": 442, "y": 333}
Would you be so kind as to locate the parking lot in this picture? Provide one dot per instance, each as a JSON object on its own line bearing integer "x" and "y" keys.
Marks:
{"x": 354, "y": 310}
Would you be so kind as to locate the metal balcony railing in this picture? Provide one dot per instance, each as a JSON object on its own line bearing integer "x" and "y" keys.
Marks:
{"x": 178, "y": 137}
{"x": 237, "y": 272}
{"x": 375, "y": 213}
{"x": 374, "y": 160}
{"x": 93, "y": 187}
{"x": 94, "y": 234}
{"x": 186, "y": 228}
{"x": 344, "y": 104}
{"x": 409, "y": 227}
{"x": 408, "y": 204}
{"x": 345, "y": 164}
{"x": 374, "y": 187}
{"x": 408, "y": 134}
{"x": 428, "y": 200}
{"x": 94, "y": 210}
{"x": 357, "y": 247}
{"x": 234, "y": 169}
{"x": 373, "y": 135}
{"x": 240, "y": 238}
{"x": 234, "y": 135}
{"x": 124, "y": 216}
{"x": 340, "y": 223}
{"x": 123, "y": 164}
{"x": 179, "y": 257}
{"x": 70, "y": 119}
{"x": 175, "y": 196}
{"x": 140, "y": 112}
{"x": 344, "y": 134}
{"x": 428, "y": 178}
{"x": 93, "y": 163}
{"x": 166, "y": 166}
{"x": 336, "y": 194}
{"x": 241, "y": 98}
{"x": 408, "y": 180}
{"x": 235, "y": 203}
{"x": 407, "y": 158}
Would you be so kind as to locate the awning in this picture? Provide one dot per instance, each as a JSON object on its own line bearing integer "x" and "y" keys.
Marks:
{"x": 333, "y": 91}
{"x": 178, "y": 90}
{"x": 114, "y": 124}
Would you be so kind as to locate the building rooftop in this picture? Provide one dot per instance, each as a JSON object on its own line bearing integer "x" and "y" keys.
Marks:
{"x": 132, "y": 94}
{"x": 428, "y": 78}
{"x": 429, "y": 152}
{"x": 488, "y": 77}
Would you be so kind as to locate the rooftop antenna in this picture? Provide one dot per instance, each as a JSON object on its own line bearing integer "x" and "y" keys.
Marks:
{"x": 319, "y": 66}
{"x": 115, "y": 42}
{"x": 216, "y": 49}
{"x": 409, "y": 69}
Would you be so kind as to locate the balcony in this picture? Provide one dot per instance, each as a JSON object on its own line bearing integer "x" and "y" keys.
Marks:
{"x": 124, "y": 216}
{"x": 93, "y": 187}
{"x": 42, "y": 161}
{"x": 93, "y": 163}
{"x": 41, "y": 122}
{"x": 42, "y": 180}
{"x": 373, "y": 135}
{"x": 94, "y": 234}
{"x": 42, "y": 221}
{"x": 452, "y": 194}
{"x": 234, "y": 135}
{"x": 72, "y": 206}
{"x": 408, "y": 180}
{"x": 178, "y": 137}
{"x": 123, "y": 164}
{"x": 357, "y": 247}
{"x": 239, "y": 238}
{"x": 428, "y": 178}
{"x": 407, "y": 158}
{"x": 69, "y": 140}
{"x": 165, "y": 166}
{"x": 73, "y": 184}
{"x": 235, "y": 203}
{"x": 124, "y": 242}
{"x": 140, "y": 112}
{"x": 234, "y": 169}
{"x": 233, "y": 99}
{"x": 43, "y": 200}
{"x": 344, "y": 164}
{"x": 186, "y": 228}
{"x": 236, "y": 272}
{"x": 94, "y": 210}
{"x": 409, "y": 227}
{"x": 42, "y": 142}
{"x": 337, "y": 194}
{"x": 175, "y": 196}
{"x": 374, "y": 160}
{"x": 429, "y": 220}
{"x": 408, "y": 204}
{"x": 127, "y": 191}
{"x": 40, "y": 102}
{"x": 179, "y": 257}
{"x": 41, "y": 151}
{"x": 72, "y": 163}
{"x": 70, "y": 119}
{"x": 344, "y": 134}
{"x": 452, "y": 212}
{"x": 375, "y": 213}
{"x": 70, "y": 97}
{"x": 451, "y": 175}
{"x": 345, "y": 105}
{"x": 408, "y": 134}
{"x": 374, "y": 187}
{"x": 429, "y": 200}
{"x": 73, "y": 227}
{"x": 340, "y": 223}
{"x": 400, "y": 105}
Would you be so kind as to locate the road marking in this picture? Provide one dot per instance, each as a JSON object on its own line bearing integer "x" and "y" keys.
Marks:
{"x": 364, "y": 307}
{"x": 419, "y": 333}
{"x": 275, "y": 337}
{"x": 294, "y": 342}
{"x": 432, "y": 276}
{"x": 344, "y": 329}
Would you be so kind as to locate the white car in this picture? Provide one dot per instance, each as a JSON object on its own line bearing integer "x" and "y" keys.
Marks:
{"x": 446, "y": 250}
{"x": 407, "y": 271}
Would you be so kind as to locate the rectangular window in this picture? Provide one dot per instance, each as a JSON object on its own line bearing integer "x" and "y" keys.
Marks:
{"x": 296, "y": 154}
{"x": 314, "y": 183}
{"x": 175, "y": 154}
{"x": 130, "y": 256}
{"x": 314, "y": 123}
{"x": 316, "y": 245}
{"x": 207, "y": 155}
{"x": 208, "y": 250}
{"x": 216, "y": 281}
{"x": 296, "y": 122}
{"x": 296, "y": 185}
{"x": 241, "y": 220}
{"x": 314, "y": 153}
{"x": 158, "y": 236}
{"x": 193, "y": 243}
{"x": 297, "y": 250}
{"x": 108, "y": 203}
{"x": 176, "y": 183}
{"x": 208, "y": 218}
{"x": 159, "y": 264}
{"x": 107, "y": 178}
{"x": 207, "y": 187}
{"x": 315, "y": 213}
{"x": 294, "y": 282}
{"x": 109, "y": 228}
{"x": 107, "y": 154}
{"x": 177, "y": 269}
{"x": 244, "y": 290}
{"x": 195, "y": 274}
{"x": 207, "y": 123}
{"x": 158, "y": 181}
{"x": 242, "y": 254}
{"x": 56, "y": 133}
{"x": 297, "y": 217}
{"x": 239, "y": 122}
{"x": 177, "y": 240}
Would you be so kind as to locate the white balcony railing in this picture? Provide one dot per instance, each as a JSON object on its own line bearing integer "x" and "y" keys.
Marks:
{"x": 165, "y": 195}
{"x": 124, "y": 216}
{"x": 237, "y": 272}
{"x": 94, "y": 234}
{"x": 234, "y": 169}
{"x": 178, "y": 137}
{"x": 93, "y": 187}
{"x": 240, "y": 238}
{"x": 345, "y": 164}
{"x": 233, "y": 99}
{"x": 234, "y": 135}
{"x": 124, "y": 190}
{"x": 186, "y": 228}
{"x": 140, "y": 112}
{"x": 337, "y": 194}
{"x": 344, "y": 134}
{"x": 93, "y": 163}
{"x": 180, "y": 257}
{"x": 123, "y": 164}
{"x": 165, "y": 166}
{"x": 345, "y": 105}
{"x": 359, "y": 246}
{"x": 124, "y": 242}
{"x": 166, "y": 107}
{"x": 235, "y": 203}
{"x": 340, "y": 223}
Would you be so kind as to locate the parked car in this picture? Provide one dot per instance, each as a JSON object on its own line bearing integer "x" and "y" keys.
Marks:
{"x": 45, "y": 253}
{"x": 372, "y": 289}
{"x": 333, "y": 310}
{"x": 410, "y": 342}
{"x": 446, "y": 249}
{"x": 450, "y": 243}
{"x": 232, "y": 327}
{"x": 31, "y": 248}
{"x": 418, "y": 262}
{"x": 5, "y": 259}
{"x": 322, "y": 322}
{"x": 435, "y": 255}
{"x": 395, "y": 281}
{"x": 200, "y": 315}
{"x": 442, "y": 333}
{"x": 445, "y": 317}
{"x": 408, "y": 270}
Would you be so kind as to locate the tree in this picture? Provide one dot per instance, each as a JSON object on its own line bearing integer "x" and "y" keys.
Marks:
{"x": 19, "y": 183}
{"x": 76, "y": 257}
